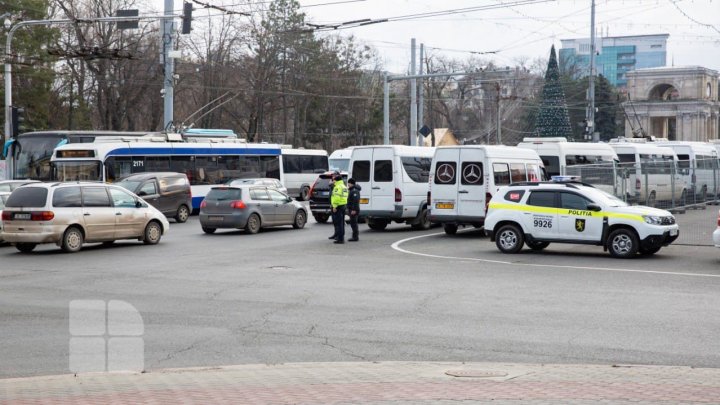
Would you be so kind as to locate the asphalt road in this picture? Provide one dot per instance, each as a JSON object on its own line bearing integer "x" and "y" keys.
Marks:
{"x": 289, "y": 295}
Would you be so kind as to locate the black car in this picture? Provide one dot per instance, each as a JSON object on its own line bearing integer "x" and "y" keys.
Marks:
{"x": 320, "y": 196}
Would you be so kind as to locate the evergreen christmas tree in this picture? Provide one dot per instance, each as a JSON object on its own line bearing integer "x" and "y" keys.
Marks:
{"x": 553, "y": 118}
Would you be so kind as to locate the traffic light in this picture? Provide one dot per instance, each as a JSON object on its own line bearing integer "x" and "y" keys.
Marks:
{"x": 17, "y": 118}
{"x": 187, "y": 17}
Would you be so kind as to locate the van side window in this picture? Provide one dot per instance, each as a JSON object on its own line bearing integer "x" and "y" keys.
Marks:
{"x": 361, "y": 170}
{"x": 95, "y": 197}
{"x": 683, "y": 161}
{"x": 501, "y": 173}
{"x": 534, "y": 172}
{"x": 542, "y": 199}
{"x": 67, "y": 197}
{"x": 472, "y": 174}
{"x": 552, "y": 165}
{"x": 383, "y": 171}
{"x": 445, "y": 173}
{"x": 517, "y": 172}
{"x": 122, "y": 199}
{"x": 148, "y": 188}
{"x": 417, "y": 168}
{"x": 626, "y": 157}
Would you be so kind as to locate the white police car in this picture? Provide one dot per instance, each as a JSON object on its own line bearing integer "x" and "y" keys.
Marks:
{"x": 568, "y": 211}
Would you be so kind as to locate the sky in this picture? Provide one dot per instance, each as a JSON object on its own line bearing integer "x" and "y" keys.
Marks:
{"x": 514, "y": 29}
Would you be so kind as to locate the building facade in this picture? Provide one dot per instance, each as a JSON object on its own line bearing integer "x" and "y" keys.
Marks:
{"x": 616, "y": 55}
{"x": 677, "y": 103}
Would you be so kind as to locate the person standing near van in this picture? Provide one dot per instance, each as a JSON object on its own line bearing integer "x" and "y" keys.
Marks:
{"x": 353, "y": 207}
{"x": 338, "y": 201}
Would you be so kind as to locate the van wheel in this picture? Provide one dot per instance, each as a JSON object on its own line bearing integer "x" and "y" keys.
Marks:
{"x": 423, "y": 222}
{"x": 300, "y": 219}
{"x": 377, "y": 224}
{"x": 208, "y": 230}
{"x": 450, "y": 229}
{"x": 305, "y": 193}
{"x": 321, "y": 218}
{"x": 253, "y": 224}
{"x": 153, "y": 233}
{"x": 623, "y": 243}
{"x": 651, "y": 200}
{"x": 537, "y": 246}
{"x": 183, "y": 213}
{"x": 72, "y": 240}
{"x": 25, "y": 247}
{"x": 509, "y": 239}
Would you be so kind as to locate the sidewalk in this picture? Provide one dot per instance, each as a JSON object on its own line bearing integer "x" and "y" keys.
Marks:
{"x": 376, "y": 383}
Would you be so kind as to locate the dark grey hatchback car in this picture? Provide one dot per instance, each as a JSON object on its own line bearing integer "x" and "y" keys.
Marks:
{"x": 249, "y": 207}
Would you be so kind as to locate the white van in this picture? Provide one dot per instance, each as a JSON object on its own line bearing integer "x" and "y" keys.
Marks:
{"x": 653, "y": 171}
{"x": 394, "y": 181}
{"x": 463, "y": 179}
{"x": 596, "y": 161}
{"x": 300, "y": 169}
{"x": 340, "y": 160}
{"x": 698, "y": 162}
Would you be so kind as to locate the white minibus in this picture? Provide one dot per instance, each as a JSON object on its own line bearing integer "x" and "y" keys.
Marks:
{"x": 463, "y": 179}
{"x": 394, "y": 181}
{"x": 698, "y": 163}
{"x": 300, "y": 169}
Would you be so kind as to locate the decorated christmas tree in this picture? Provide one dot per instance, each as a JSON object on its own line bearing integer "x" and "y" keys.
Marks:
{"x": 553, "y": 118}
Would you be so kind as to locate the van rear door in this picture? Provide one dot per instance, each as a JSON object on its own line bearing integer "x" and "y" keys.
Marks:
{"x": 471, "y": 183}
{"x": 445, "y": 185}
{"x": 360, "y": 171}
{"x": 383, "y": 176}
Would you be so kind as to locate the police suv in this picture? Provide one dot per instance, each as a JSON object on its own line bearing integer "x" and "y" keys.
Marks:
{"x": 568, "y": 211}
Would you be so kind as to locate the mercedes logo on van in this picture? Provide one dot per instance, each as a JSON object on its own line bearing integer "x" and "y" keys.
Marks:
{"x": 471, "y": 173}
{"x": 445, "y": 173}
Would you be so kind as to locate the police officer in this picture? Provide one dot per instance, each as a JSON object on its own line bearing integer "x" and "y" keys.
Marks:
{"x": 338, "y": 201}
{"x": 353, "y": 207}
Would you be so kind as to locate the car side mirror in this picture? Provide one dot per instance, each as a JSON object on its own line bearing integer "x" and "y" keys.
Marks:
{"x": 138, "y": 204}
{"x": 594, "y": 207}
{"x": 288, "y": 199}
{"x": 142, "y": 193}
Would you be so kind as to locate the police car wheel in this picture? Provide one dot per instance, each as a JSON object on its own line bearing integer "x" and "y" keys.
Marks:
{"x": 509, "y": 239}
{"x": 623, "y": 243}
{"x": 537, "y": 246}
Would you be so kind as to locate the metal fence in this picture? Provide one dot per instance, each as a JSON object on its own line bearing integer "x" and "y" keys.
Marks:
{"x": 685, "y": 187}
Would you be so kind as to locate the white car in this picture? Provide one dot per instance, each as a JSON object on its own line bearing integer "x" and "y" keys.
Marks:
{"x": 562, "y": 211}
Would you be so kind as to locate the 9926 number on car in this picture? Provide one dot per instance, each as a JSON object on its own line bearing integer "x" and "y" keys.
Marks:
{"x": 542, "y": 223}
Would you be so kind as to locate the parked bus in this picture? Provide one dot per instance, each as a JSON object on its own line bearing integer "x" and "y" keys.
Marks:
{"x": 205, "y": 162}
{"x": 28, "y": 155}
{"x": 301, "y": 167}
{"x": 698, "y": 163}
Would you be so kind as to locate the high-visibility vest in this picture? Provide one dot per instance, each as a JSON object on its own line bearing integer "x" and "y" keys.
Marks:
{"x": 339, "y": 194}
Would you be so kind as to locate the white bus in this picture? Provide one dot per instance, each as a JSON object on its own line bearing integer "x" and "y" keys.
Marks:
{"x": 698, "y": 163}
{"x": 301, "y": 167}
{"x": 205, "y": 162}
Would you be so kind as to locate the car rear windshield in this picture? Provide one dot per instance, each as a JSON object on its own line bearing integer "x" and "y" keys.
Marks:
{"x": 34, "y": 197}
{"x": 222, "y": 194}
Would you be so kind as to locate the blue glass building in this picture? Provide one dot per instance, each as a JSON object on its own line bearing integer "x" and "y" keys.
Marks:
{"x": 616, "y": 55}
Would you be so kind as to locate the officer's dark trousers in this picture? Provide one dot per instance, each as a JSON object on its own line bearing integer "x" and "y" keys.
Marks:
{"x": 339, "y": 222}
{"x": 354, "y": 224}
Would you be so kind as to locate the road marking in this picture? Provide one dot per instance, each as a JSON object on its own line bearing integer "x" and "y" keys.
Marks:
{"x": 397, "y": 247}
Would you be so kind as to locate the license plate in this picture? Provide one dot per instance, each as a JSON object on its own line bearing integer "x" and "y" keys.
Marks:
{"x": 324, "y": 193}
{"x": 215, "y": 218}
{"x": 673, "y": 232}
{"x": 19, "y": 215}
{"x": 364, "y": 201}
{"x": 444, "y": 206}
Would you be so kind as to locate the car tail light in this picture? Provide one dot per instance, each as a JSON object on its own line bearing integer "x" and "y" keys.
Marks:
{"x": 6, "y": 216}
{"x": 42, "y": 216}
{"x": 638, "y": 186}
{"x": 238, "y": 205}
{"x": 203, "y": 204}
{"x": 398, "y": 195}
{"x": 488, "y": 197}
{"x": 312, "y": 188}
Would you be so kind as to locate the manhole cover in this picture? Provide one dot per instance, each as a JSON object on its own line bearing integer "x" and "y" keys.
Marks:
{"x": 280, "y": 268}
{"x": 475, "y": 373}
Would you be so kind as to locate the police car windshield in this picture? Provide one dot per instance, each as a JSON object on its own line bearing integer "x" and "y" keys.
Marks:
{"x": 607, "y": 198}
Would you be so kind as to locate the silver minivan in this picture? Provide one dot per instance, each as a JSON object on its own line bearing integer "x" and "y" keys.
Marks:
{"x": 70, "y": 214}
